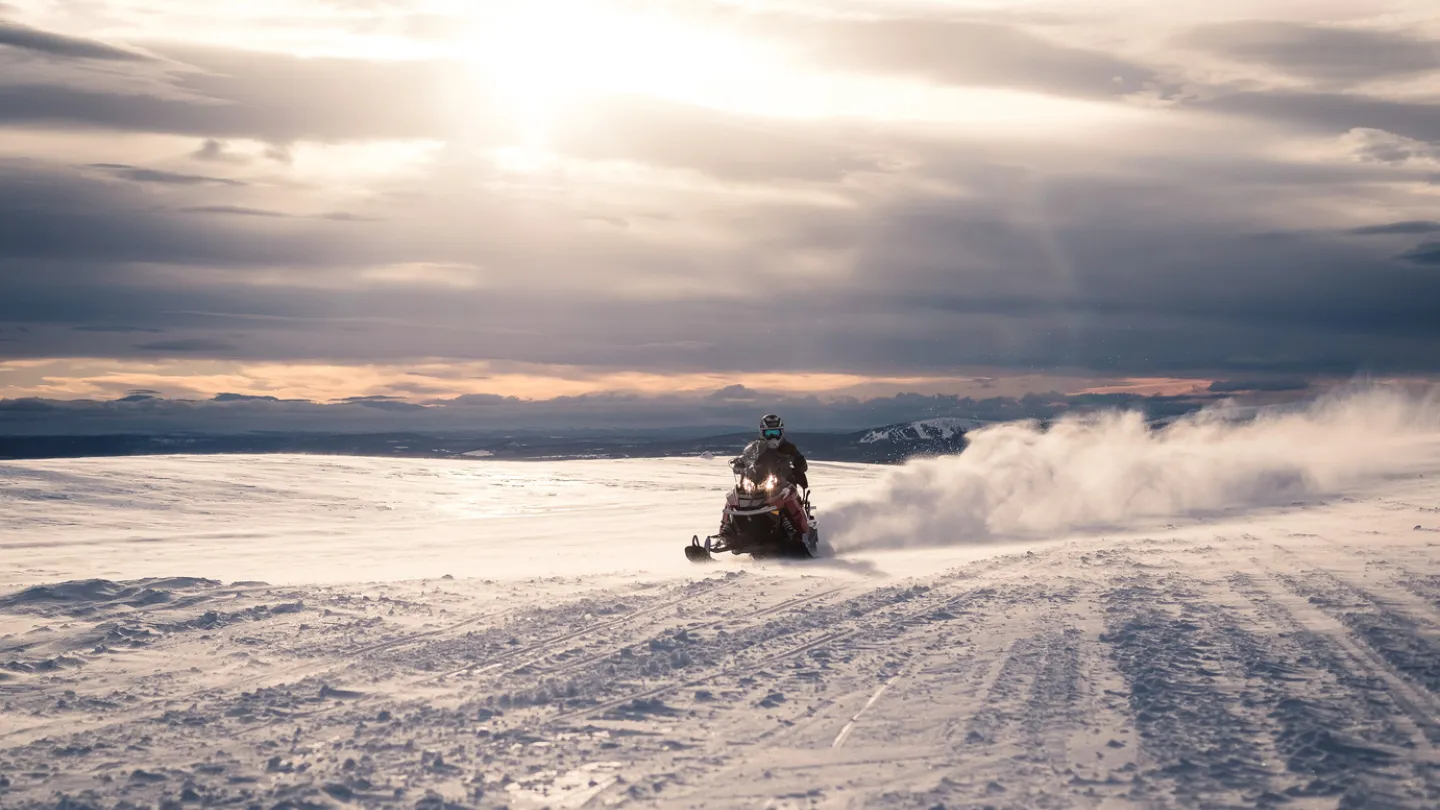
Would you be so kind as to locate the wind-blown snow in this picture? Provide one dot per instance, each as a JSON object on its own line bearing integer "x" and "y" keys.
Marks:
{"x": 1105, "y": 471}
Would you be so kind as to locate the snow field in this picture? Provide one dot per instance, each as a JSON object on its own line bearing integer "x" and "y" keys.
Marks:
{"x": 1232, "y": 616}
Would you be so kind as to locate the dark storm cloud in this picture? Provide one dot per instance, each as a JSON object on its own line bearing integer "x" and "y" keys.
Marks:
{"x": 1426, "y": 254}
{"x": 1133, "y": 266}
{"x": 1266, "y": 384}
{"x": 1116, "y": 277}
{"x": 1409, "y": 227}
{"x": 60, "y": 216}
{"x": 35, "y": 40}
{"x": 1319, "y": 52}
{"x": 142, "y": 175}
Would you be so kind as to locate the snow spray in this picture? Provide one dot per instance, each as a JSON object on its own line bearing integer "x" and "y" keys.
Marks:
{"x": 1104, "y": 471}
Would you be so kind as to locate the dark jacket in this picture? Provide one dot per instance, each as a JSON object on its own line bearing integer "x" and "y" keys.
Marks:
{"x": 785, "y": 462}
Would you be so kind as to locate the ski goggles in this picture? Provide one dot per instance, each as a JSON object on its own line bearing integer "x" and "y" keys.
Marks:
{"x": 772, "y": 433}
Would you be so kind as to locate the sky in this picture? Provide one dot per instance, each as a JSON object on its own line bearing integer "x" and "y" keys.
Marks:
{"x": 552, "y": 200}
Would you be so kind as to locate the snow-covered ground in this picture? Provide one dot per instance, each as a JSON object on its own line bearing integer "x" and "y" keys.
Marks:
{"x": 306, "y": 519}
{"x": 1222, "y": 616}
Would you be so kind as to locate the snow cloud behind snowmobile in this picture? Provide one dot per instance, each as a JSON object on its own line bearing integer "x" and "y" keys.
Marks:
{"x": 1113, "y": 472}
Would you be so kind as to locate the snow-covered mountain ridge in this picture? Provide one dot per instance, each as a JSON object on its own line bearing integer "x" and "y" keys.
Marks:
{"x": 944, "y": 429}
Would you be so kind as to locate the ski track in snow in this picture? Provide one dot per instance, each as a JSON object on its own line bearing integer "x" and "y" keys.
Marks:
{"x": 1277, "y": 657}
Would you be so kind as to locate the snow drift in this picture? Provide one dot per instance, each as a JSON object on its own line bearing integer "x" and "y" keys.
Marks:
{"x": 1105, "y": 471}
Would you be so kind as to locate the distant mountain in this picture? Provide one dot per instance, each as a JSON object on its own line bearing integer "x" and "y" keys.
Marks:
{"x": 946, "y": 434}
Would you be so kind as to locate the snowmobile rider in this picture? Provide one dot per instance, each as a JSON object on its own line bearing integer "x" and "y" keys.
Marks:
{"x": 775, "y": 454}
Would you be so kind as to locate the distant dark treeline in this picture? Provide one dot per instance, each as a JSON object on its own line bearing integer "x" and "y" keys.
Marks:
{"x": 819, "y": 446}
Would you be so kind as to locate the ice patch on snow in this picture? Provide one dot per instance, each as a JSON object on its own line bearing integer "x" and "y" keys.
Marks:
{"x": 1110, "y": 470}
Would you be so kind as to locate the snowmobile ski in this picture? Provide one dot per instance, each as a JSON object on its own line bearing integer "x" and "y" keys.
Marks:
{"x": 697, "y": 553}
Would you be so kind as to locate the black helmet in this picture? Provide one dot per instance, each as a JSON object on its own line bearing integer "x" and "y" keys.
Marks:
{"x": 771, "y": 427}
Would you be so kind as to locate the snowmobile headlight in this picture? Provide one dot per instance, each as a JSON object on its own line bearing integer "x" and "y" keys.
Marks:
{"x": 770, "y": 483}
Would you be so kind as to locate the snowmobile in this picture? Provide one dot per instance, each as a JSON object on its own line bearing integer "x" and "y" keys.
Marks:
{"x": 759, "y": 513}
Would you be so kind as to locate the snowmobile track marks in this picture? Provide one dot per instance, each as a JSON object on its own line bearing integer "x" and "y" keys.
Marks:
{"x": 1017, "y": 743}
{"x": 1347, "y": 716}
{"x": 510, "y": 655}
{"x": 1203, "y": 749}
{"x": 1364, "y": 663}
{"x": 574, "y": 665}
{"x": 1267, "y": 691}
{"x": 1398, "y": 638}
{"x": 863, "y": 613}
{"x": 849, "y": 727}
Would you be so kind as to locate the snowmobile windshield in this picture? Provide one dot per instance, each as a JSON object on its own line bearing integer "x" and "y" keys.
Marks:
{"x": 759, "y": 463}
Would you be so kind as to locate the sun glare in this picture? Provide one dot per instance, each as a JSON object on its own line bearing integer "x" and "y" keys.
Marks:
{"x": 545, "y": 57}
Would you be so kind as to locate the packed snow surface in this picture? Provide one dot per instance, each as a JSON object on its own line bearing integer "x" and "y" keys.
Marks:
{"x": 1097, "y": 616}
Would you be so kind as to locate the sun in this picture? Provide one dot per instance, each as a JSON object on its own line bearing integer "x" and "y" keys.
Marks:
{"x": 543, "y": 59}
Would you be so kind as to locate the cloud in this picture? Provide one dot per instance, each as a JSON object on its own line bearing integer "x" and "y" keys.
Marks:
{"x": 88, "y": 230}
{"x": 35, "y": 40}
{"x": 246, "y": 211}
{"x": 227, "y": 397}
{"x": 238, "y": 210}
{"x": 219, "y": 93}
{"x": 114, "y": 328}
{"x": 1205, "y": 232}
{"x": 1414, "y": 226}
{"x": 1015, "y": 268}
{"x": 214, "y": 150}
{"x": 202, "y": 345}
{"x": 1379, "y": 146}
{"x": 1319, "y": 52}
{"x": 1337, "y": 113}
{"x": 735, "y": 393}
{"x": 1426, "y": 254}
{"x": 726, "y": 145}
{"x": 956, "y": 52}
{"x": 141, "y": 175}
{"x": 1264, "y": 384}
{"x": 385, "y": 403}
